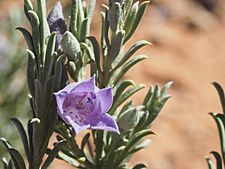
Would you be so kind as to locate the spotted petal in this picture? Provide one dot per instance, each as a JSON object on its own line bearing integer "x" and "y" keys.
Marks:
{"x": 104, "y": 122}
{"x": 105, "y": 98}
{"x": 75, "y": 126}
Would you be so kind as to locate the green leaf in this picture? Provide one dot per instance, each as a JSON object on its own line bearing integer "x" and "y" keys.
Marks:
{"x": 218, "y": 159}
{"x": 49, "y": 56}
{"x": 23, "y": 136}
{"x": 131, "y": 17}
{"x": 7, "y": 165}
{"x": 115, "y": 16}
{"x": 28, "y": 6}
{"x": 165, "y": 89}
{"x": 137, "y": 20}
{"x": 35, "y": 23}
{"x": 126, "y": 67}
{"x": 44, "y": 28}
{"x": 90, "y": 15}
{"x": 96, "y": 48}
{"x": 210, "y": 163}
{"x": 131, "y": 51}
{"x": 117, "y": 43}
{"x": 140, "y": 166}
{"x": 148, "y": 95}
{"x": 137, "y": 137}
{"x": 17, "y": 158}
{"x": 58, "y": 73}
{"x": 84, "y": 31}
{"x": 140, "y": 146}
{"x": 27, "y": 37}
{"x": 105, "y": 44}
{"x": 221, "y": 94}
{"x": 31, "y": 74}
{"x": 15, "y": 155}
{"x": 74, "y": 15}
{"x": 53, "y": 153}
{"x": 124, "y": 97}
{"x": 122, "y": 87}
{"x": 85, "y": 141}
{"x": 219, "y": 119}
{"x": 89, "y": 51}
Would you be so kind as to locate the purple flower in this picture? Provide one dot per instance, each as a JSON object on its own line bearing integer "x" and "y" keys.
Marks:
{"x": 85, "y": 106}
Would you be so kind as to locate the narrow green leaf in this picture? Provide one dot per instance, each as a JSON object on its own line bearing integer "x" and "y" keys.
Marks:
{"x": 27, "y": 37}
{"x": 84, "y": 31}
{"x": 127, "y": 66}
{"x": 117, "y": 43}
{"x": 137, "y": 20}
{"x": 140, "y": 146}
{"x": 128, "y": 6}
{"x": 130, "y": 52}
{"x": 23, "y": 136}
{"x": 49, "y": 56}
{"x": 35, "y": 23}
{"x": 124, "y": 97}
{"x": 165, "y": 89}
{"x": 137, "y": 137}
{"x": 148, "y": 95}
{"x": 140, "y": 166}
{"x": 58, "y": 73}
{"x": 17, "y": 158}
{"x": 90, "y": 15}
{"x": 121, "y": 88}
{"x": 221, "y": 94}
{"x": 131, "y": 17}
{"x": 115, "y": 16}
{"x": 210, "y": 163}
{"x": 74, "y": 16}
{"x": 31, "y": 74}
{"x": 89, "y": 51}
{"x": 53, "y": 153}
{"x": 85, "y": 141}
{"x": 27, "y": 6}
{"x": 44, "y": 28}
{"x": 220, "y": 125}
{"x": 218, "y": 159}
{"x": 96, "y": 48}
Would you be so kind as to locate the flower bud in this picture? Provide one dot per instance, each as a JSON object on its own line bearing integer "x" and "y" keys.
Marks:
{"x": 129, "y": 119}
{"x": 57, "y": 22}
{"x": 70, "y": 44}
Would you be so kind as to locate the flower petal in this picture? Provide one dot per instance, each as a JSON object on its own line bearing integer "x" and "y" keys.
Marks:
{"x": 105, "y": 97}
{"x": 60, "y": 97}
{"x": 67, "y": 89}
{"x": 85, "y": 86}
{"x": 104, "y": 122}
{"x": 75, "y": 126}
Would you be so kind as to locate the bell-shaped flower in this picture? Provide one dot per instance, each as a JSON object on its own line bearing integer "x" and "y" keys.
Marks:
{"x": 85, "y": 106}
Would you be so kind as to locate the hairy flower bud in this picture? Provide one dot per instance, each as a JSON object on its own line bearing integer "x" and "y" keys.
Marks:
{"x": 129, "y": 119}
{"x": 70, "y": 44}
{"x": 56, "y": 22}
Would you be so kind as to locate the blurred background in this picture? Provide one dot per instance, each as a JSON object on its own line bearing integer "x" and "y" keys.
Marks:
{"x": 188, "y": 48}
